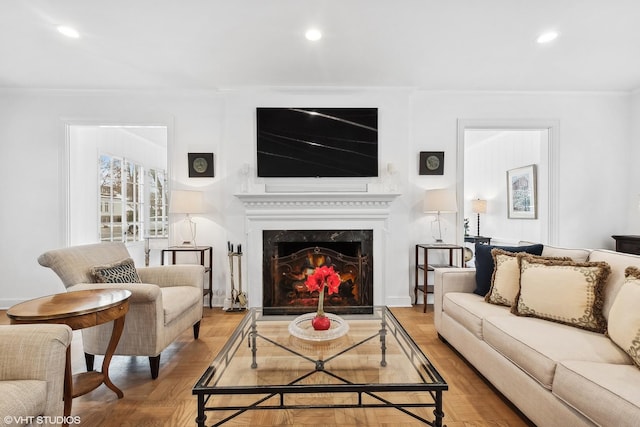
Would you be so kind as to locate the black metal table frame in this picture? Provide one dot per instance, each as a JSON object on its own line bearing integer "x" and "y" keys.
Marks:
{"x": 248, "y": 330}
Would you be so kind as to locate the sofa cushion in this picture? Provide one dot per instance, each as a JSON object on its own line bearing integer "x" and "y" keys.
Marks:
{"x": 536, "y": 345}
{"x": 624, "y": 317}
{"x": 23, "y": 398}
{"x": 485, "y": 265}
{"x": 607, "y": 394}
{"x": 177, "y": 299}
{"x": 469, "y": 309}
{"x": 123, "y": 271}
{"x": 618, "y": 262}
{"x": 562, "y": 291}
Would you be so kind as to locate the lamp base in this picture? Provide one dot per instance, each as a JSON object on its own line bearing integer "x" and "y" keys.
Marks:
{"x": 187, "y": 232}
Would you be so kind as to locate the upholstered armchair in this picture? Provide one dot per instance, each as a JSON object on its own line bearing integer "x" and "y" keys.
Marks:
{"x": 166, "y": 300}
{"x": 32, "y": 364}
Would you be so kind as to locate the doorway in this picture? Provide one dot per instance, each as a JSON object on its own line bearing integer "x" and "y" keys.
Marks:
{"x": 489, "y": 151}
{"x": 117, "y": 183}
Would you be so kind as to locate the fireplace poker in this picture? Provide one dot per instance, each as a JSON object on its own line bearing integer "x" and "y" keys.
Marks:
{"x": 242, "y": 297}
{"x": 237, "y": 297}
{"x": 234, "y": 295}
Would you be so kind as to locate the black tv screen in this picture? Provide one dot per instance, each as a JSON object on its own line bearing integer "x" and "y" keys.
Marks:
{"x": 317, "y": 142}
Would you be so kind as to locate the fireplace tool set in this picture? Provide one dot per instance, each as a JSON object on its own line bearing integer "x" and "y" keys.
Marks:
{"x": 238, "y": 301}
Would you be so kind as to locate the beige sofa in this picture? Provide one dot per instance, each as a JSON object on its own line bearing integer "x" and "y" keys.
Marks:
{"x": 557, "y": 375}
{"x": 164, "y": 302}
{"x": 32, "y": 364}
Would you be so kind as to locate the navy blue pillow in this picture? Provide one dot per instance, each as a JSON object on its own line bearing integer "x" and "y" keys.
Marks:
{"x": 485, "y": 265}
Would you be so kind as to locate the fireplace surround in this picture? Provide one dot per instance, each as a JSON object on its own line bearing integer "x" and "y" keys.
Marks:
{"x": 290, "y": 255}
{"x": 318, "y": 211}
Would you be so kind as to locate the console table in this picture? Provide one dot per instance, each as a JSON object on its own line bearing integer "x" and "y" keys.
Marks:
{"x": 425, "y": 266}
{"x": 208, "y": 267}
{"x": 478, "y": 239}
{"x": 627, "y": 244}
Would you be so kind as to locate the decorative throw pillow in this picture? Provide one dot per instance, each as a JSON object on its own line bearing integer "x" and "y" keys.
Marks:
{"x": 563, "y": 291}
{"x": 485, "y": 264}
{"x": 119, "y": 272}
{"x": 624, "y": 317}
{"x": 505, "y": 282}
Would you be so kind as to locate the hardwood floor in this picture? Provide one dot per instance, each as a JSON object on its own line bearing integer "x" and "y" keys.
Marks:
{"x": 167, "y": 401}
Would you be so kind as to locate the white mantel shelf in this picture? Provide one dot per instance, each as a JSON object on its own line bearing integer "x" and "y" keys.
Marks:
{"x": 334, "y": 200}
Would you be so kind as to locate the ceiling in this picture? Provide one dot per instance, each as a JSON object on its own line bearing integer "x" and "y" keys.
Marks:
{"x": 222, "y": 44}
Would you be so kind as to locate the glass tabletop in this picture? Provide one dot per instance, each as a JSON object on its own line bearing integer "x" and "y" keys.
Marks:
{"x": 375, "y": 358}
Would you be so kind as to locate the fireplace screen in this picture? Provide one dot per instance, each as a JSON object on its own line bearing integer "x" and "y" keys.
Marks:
{"x": 289, "y": 294}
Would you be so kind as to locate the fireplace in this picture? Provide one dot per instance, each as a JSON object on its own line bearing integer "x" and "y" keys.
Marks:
{"x": 289, "y": 256}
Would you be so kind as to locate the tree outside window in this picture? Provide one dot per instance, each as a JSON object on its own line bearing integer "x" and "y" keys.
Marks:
{"x": 123, "y": 217}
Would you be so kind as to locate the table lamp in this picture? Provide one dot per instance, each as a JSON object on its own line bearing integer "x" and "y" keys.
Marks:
{"x": 479, "y": 206}
{"x": 439, "y": 201}
{"x": 187, "y": 202}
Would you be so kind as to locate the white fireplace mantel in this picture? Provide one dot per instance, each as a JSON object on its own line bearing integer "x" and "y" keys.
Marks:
{"x": 313, "y": 204}
{"x": 316, "y": 211}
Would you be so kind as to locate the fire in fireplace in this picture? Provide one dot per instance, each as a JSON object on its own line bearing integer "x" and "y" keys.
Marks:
{"x": 290, "y": 256}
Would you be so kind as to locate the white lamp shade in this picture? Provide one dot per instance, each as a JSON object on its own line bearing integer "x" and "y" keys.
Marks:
{"x": 186, "y": 202}
{"x": 479, "y": 206}
{"x": 440, "y": 200}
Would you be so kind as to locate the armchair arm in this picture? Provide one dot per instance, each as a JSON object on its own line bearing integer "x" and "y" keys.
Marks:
{"x": 36, "y": 352}
{"x": 140, "y": 292}
{"x": 450, "y": 280}
{"x": 173, "y": 275}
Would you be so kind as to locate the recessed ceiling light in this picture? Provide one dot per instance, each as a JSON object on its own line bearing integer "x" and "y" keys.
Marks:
{"x": 547, "y": 37}
{"x": 68, "y": 31}
{"x": 313, "y": 34}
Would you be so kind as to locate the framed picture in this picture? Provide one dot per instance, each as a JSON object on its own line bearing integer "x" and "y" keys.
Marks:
{"x": 200, "y": 165}
{"x": 521, "y": 193}
{"x": 431, "y": 163}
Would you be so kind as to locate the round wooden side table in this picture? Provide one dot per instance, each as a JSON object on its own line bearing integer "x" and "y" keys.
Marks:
{"x": 78, "y": 310}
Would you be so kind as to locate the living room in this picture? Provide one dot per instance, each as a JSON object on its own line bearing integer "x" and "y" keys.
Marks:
{"x": 422, "y": 92}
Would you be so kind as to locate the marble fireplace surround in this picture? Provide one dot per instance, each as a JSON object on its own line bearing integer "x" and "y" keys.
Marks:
{"x": 315, "y": 211}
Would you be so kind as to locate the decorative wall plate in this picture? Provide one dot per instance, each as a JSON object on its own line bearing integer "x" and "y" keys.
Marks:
{"x": 200, "y": 165}
{"x": 431, "y": 163}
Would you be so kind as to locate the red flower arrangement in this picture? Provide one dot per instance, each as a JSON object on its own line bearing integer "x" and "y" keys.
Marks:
{"x": 316, "y": 282}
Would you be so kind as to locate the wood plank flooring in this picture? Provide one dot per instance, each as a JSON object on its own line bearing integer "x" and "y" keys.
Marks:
{"x": 167, "y": 401}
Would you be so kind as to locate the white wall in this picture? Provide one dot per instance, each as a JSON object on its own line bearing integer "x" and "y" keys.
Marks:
{"x": 594, "y": 166}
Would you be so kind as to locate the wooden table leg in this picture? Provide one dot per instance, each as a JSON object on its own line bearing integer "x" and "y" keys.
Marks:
{"x": 118, "y": 326}
{"x": 67, "y": 394}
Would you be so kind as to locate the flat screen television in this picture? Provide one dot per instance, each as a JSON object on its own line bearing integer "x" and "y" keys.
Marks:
{"x": 317, "y": 142}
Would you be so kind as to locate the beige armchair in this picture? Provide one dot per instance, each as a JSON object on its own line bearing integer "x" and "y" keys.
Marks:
{"x": 168, "y": 301}
{"x": 32, "y": 364}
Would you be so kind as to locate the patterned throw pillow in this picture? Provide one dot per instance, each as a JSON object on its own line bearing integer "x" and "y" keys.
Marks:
{"x": 624, "y": 317}
{"x": 505, "y": 282}
{"x": 563, "y": 291}
{"x": 119, "y": 272}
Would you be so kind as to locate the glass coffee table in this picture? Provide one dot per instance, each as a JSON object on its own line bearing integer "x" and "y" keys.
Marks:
{"x": 376, "y": 364}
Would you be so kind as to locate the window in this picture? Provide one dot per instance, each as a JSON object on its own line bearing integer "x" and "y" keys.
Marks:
{"x": 122, "y": 201}
{"x": 158, "y": 221}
